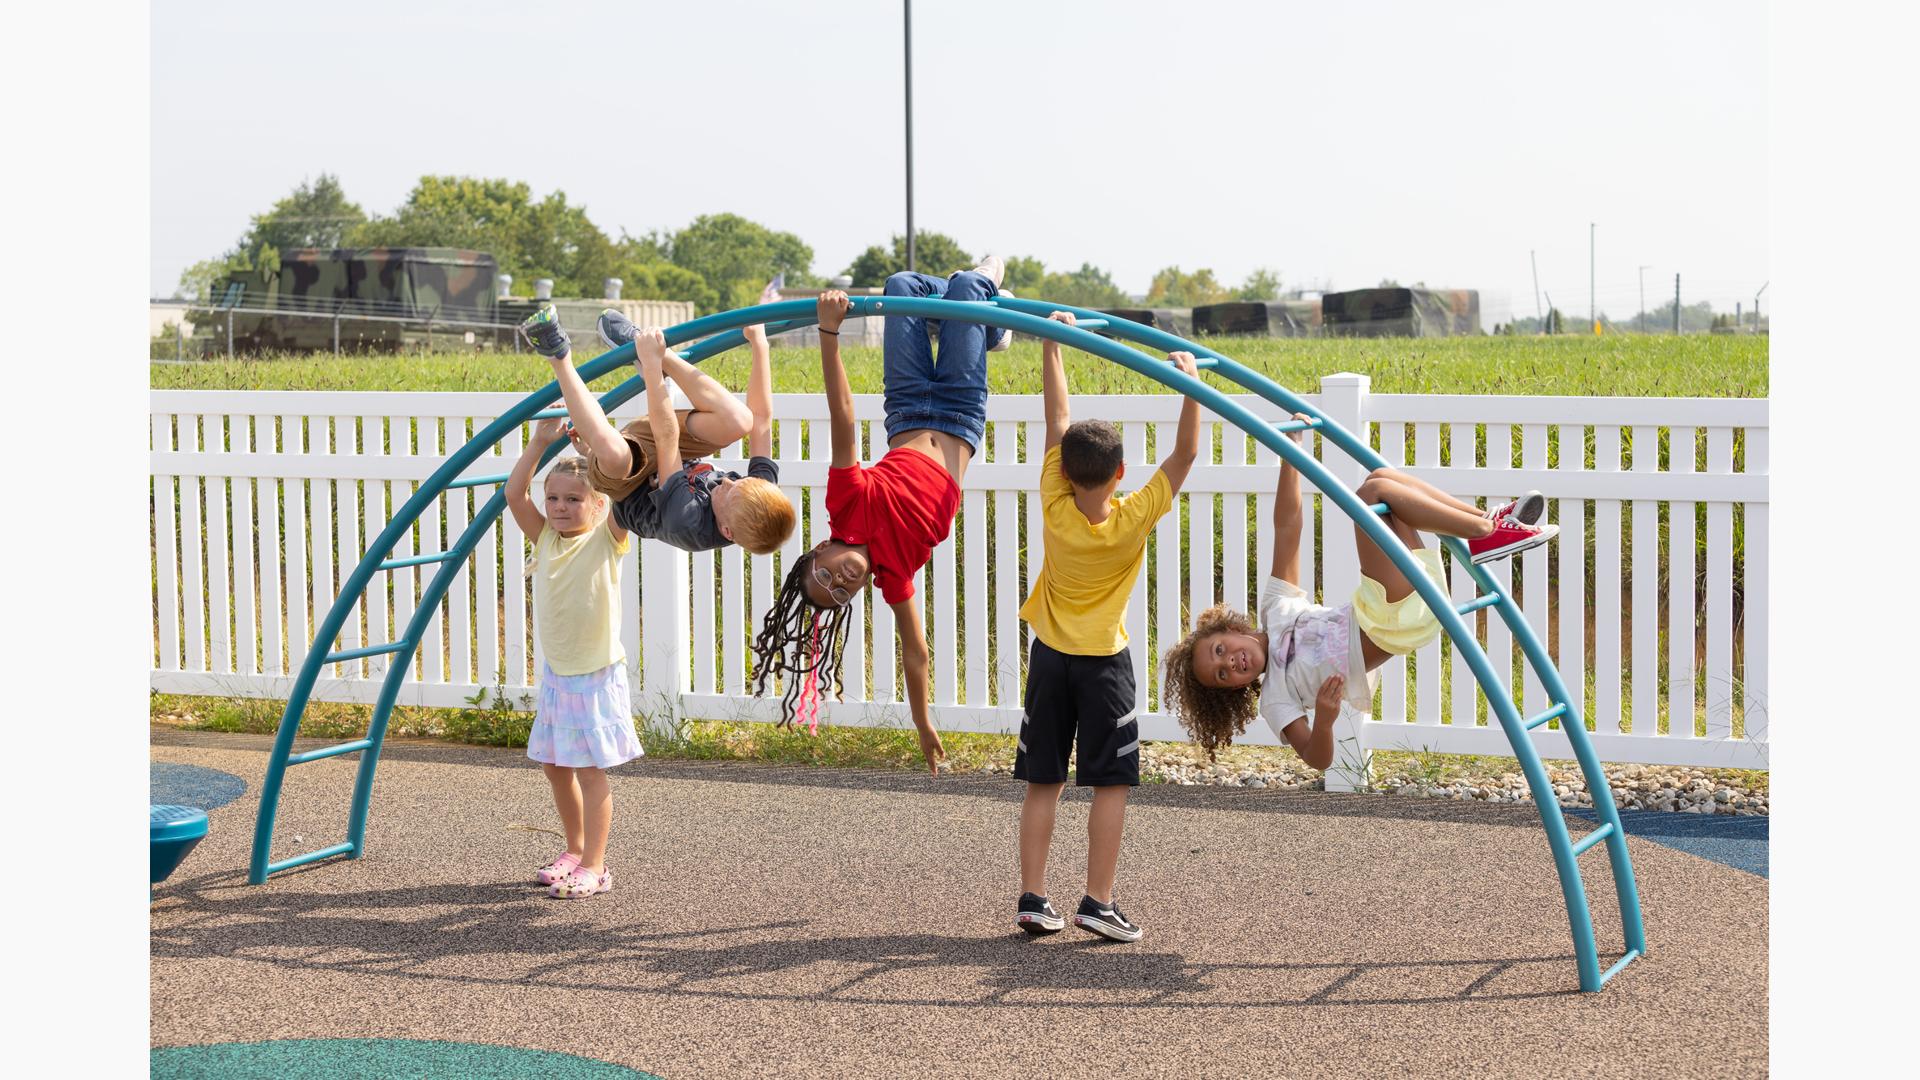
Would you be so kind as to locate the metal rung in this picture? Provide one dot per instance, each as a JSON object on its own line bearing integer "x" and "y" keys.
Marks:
{"x": 1551, "y": 714}
{"x": 1092, "y": 324}
{"x": 1593, "y": 838}
{"x": 417, "y": 560}
{"x": 1632, "y": 955}
{"x": 1381, "y": 508}
{"x": 1296, "y": 425}
{"x": 371, "y": 650}
{"x": 1205, "y": 362}
{"x": 330, "y": 751}
{"x": 1478, "y": 602}
{"x": 549, "y": 414}
{"x": 311, "y": 856}
{"x": 476, "y": 481}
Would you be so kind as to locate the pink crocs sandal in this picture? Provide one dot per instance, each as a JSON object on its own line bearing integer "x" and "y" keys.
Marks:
{"x": 558, "y": 868}
{"x": 581, "y": 884}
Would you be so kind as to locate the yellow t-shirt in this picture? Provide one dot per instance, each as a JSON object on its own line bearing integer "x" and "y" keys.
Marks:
{"x": 1079, "y": 601}
{"x": 576, "y": 599}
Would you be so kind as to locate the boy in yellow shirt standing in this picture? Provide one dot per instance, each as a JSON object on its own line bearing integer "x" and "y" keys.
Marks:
{"x": 1079, "y": 670}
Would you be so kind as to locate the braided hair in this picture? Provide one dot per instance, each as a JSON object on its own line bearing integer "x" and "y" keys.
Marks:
{"x": 804, "y": 643}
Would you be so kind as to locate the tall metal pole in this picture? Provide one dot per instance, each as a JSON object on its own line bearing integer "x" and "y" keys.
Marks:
{"x": 906, "y": 10}
{"x": 1676, "y": 303}
{"x": 1593, "y": 313}
{"x": 1642, "y": 320}
{"x": 1756, "y": 307}
{"x": 1538, "y": 311}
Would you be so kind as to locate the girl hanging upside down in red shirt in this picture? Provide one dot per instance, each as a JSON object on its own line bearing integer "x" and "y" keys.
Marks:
{"x": 885, "y": 519}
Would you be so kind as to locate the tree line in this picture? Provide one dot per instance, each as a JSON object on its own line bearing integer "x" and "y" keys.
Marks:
{"x": 718, "y": 261}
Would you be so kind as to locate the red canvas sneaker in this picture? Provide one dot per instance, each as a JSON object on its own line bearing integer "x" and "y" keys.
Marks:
{"x": 1509, "y": 537}
{"x": 1528, "y": 509}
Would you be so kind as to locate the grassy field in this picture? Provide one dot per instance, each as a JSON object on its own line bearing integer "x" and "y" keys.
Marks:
{"x": 1700, "y": 365}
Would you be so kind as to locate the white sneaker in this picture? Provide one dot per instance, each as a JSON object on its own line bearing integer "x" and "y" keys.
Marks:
{"x": 995, "y": 268}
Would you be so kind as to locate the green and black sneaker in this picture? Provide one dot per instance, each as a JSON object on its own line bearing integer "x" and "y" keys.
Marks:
{"x": 543, "y": 329}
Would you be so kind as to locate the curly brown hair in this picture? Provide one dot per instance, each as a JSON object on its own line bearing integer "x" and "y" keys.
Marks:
{"x": 1213, "y": 716}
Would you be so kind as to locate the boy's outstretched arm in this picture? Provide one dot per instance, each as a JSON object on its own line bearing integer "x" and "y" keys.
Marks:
{"x": 1053, "y": 385}
{"x": 650, "y": 347}
{"x": 1288, "y": 519}
{"x": 760, "y": 394}
{"x": 590, "y": 426}
{"x": 1186, "y": 442}
{"x": 831, "y": 309}
{"x": 914, "y": 658}
{"x": 520, "y": 480}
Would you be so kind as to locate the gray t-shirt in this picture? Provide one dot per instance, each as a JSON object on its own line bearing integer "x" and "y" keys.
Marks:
{"x": 679, "y": 508}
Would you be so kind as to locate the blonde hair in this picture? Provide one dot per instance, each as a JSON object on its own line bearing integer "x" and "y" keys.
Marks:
{"x": 762, "y": 516}
{"x": 574, "y": 467}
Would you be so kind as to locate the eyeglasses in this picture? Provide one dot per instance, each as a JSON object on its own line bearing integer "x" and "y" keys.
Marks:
{"x": 841, "y": 597}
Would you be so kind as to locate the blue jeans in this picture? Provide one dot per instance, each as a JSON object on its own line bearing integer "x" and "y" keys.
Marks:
{"x": 948, "y": 394}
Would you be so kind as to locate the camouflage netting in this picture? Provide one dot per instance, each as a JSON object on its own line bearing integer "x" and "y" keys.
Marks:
{"x": 1399, "y": 312}
{"x": 1175, "y": 321}
{"x": 1262, "y": 318}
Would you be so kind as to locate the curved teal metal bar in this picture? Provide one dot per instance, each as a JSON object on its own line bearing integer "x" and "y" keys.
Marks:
{"x": 721, "y": 332}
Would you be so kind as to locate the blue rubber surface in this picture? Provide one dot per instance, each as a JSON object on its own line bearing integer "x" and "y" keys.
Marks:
{"x": 1736, "y": 841}
{"x": 191, "y": 785}
{"x": 390, "y": 1059}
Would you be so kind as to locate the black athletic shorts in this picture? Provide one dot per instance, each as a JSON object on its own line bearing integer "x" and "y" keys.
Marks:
{"x": 1087, "y": 696}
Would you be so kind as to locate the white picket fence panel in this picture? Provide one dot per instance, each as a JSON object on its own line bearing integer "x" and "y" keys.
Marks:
{"x": 263, "y": 501}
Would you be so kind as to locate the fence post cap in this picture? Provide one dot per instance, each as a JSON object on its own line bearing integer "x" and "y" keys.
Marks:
{"x": 1346, "y": 378}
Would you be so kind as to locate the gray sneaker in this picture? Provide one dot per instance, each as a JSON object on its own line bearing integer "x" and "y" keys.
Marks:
{"x": 544, "y": 331}
{"x": 616, "y": 329}
{"x": 994, "y": 267}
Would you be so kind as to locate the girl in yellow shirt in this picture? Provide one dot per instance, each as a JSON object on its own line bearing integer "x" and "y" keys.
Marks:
{"x": 584, "y": 722}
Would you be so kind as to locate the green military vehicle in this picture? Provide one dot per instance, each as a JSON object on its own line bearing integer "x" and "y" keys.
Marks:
{"x": 1401, "y": 312}
{"x": 382, "y": 299}
{"x": 1259, "y": 318}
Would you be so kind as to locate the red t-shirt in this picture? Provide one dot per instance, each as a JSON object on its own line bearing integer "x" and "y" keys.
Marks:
{"x": 900, "y": 507}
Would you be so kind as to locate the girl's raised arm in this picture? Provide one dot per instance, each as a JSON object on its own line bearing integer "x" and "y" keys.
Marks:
{"x": 1287, "y": 518}
{"x": 520, "y": 480}
{"x": 832, "y": 309}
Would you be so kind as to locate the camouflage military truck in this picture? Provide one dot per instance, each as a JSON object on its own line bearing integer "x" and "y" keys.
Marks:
{"x": 358, "y": 299}
{"x": 1399, "y": 312}
{"x": 1259, "y": 318}
{"x": 1175, "y": 321}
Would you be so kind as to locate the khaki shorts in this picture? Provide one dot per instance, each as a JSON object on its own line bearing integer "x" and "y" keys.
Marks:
{"x": 639, "y": 436}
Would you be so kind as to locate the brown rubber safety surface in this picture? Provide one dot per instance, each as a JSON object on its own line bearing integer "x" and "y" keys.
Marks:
{"x": 783, "y": 922}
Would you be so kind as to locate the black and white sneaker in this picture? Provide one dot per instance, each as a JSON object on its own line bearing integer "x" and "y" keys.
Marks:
{"x": 616, "y": 329}
{"x": 545, "y": 333}
{"x": 1037, "y": 915}
{"x": 1105, "y": 920}
{"x": 1528, "y": 509}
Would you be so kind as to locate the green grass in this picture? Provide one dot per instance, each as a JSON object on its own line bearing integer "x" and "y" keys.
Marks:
{"x": 1700, "y": 365}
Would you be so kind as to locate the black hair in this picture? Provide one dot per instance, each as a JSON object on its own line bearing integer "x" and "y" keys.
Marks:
{"x": 1091, "y": 452}
{"x": 799, "y": 639}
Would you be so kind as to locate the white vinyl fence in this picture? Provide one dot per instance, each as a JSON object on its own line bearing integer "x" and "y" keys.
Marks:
{"x": 264, "y": 501}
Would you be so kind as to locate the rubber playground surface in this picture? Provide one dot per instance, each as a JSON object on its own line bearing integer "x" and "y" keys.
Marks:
{"x": 773, "y": 921}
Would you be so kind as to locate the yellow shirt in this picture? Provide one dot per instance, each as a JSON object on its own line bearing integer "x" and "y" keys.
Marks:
{"x": 576, "y": 599}
{"x": 1079, "y": 601}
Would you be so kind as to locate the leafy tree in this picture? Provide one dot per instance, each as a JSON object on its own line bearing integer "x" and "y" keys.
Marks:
{"x": 1173, "y": 287}
{"x": 934, "y": 253}
{"x": 198, "y": 280}
{"x": 737, "y": 257}
{"x": 1262, "y": 284}
{"x": 665, "y": 281}
{"x": 316, "y": 214}
{"x": 1088, "y": 286}
{"x": 1025, "y": 275}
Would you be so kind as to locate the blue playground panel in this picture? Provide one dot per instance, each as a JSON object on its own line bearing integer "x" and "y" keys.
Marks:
{"x": 180, "y": 796}
{"x": 1739, "y": 842}
{"x": 391, "y": 1059}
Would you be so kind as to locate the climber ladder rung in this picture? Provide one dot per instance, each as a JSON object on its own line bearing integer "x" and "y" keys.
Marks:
{"x": 549, "y": 414}
{"x": 371, "y": 650}
{"x": 1631, "y": 955}
{"x": 1286, "y": 426}
{"x": 476, "y": 481}
{"x": 1092, "y": 324}
{"x": 1593, "y": 838}
{"x": 341, "y": 848}
{"x": 329, "y": 751}
{"x": 1478, "y": 602}
{"x": 1551, "y": 714}
{"x": 417, "y": 560}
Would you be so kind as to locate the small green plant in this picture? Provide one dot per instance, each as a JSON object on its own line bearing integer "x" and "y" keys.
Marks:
{"x": 492, "y": 719}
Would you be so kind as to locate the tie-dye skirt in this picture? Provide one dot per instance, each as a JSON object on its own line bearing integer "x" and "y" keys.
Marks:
{"x": 584, "y": 721}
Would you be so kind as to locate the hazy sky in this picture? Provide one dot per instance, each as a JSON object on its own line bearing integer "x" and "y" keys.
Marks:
{"x": 1332, "y": 143}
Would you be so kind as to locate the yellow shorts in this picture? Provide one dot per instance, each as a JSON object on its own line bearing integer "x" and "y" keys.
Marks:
{"x": 1401, "y": 626}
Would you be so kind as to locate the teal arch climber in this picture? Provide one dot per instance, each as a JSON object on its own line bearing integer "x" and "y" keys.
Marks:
{"x": 1100, "y": 335}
